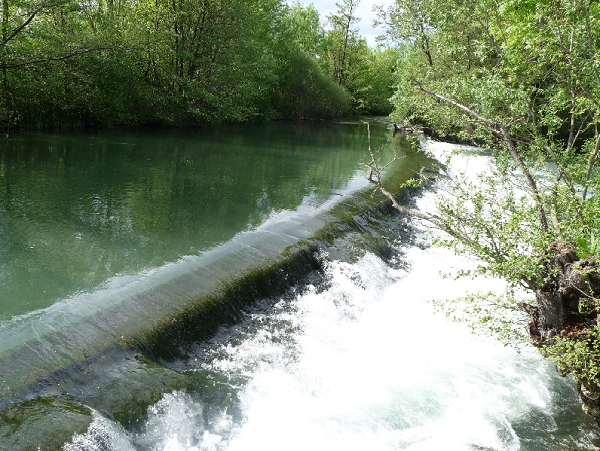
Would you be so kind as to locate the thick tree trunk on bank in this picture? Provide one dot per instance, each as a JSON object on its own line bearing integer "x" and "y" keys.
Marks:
{"x": 565, "y": 301}
{"x": 567, "y": 306}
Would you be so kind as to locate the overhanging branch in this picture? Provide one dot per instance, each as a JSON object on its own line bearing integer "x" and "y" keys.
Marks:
{"x": 501, "y": 130}
{"x": 457, "y": 227}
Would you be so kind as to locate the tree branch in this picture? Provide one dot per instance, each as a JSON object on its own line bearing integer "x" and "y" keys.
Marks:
{"x": 502, "y": 130}
{"x": 72, "y": 54}
{"x": 39, "y": 8}
{"x": 20, "y": 28}
{"x": 374, "y": 176}
{"x": 591, "y": 162}
{"x": 491, "y": 249}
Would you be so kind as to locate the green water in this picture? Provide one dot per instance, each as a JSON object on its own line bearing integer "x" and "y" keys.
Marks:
{"x": 77, "y": 209}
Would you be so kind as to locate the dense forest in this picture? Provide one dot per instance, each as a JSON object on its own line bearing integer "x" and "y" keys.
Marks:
{"x": 73, "y": 63}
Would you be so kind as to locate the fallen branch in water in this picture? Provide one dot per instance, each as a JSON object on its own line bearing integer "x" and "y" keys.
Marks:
{"x": 375, "y": 177}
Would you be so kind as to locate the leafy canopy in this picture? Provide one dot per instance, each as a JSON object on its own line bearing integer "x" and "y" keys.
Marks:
{"x": 521, "y": 78}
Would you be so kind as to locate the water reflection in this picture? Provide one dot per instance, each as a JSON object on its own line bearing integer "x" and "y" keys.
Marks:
{"x": 79, "y": 208}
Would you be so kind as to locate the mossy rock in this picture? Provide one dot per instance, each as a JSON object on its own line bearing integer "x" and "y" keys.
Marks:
{"x": 42, "y": 424}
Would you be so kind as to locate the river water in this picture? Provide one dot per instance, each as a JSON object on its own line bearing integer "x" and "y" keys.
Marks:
{"x": 350, "y": 355}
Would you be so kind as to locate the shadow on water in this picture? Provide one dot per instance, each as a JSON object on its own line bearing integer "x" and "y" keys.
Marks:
{"x": 120, "y": 356}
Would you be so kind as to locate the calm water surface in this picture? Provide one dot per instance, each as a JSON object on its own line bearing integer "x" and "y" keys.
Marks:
{"x": 77, "y": 209}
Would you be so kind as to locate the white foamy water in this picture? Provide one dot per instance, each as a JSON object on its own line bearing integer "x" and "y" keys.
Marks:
{"x": 363, "y": 362}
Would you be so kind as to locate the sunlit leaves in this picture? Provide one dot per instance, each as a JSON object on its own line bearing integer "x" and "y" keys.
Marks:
{"x": 302, "y": 26}
{"x": 341, "y": 42}
{"x": 488, "y": 313}
{"x": 305, "y": 92}
{"x": 579, "y": 357}
{"x": 486, "y": 216}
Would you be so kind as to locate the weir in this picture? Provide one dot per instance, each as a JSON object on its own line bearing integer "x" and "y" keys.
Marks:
{"x": 138, "y": 312}
{"x": 56, "y": 360}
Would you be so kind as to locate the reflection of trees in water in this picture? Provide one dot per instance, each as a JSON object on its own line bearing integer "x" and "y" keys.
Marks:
{"x": 78, "y": 209}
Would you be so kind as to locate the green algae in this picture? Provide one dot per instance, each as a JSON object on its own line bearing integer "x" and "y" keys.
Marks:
{"x": 202, "y": 318}
{"x": 42, "y": 424}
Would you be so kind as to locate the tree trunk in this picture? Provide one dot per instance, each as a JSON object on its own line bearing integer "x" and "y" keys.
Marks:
{"x": 567, "y": 307}
{"x": 558, "y": 297}
{"x": 565, "y": 300}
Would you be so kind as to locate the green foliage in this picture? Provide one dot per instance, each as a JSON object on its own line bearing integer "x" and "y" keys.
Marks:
{"x": 588, "y": 248}
{"x": 488, "y": 313}
{"x": 365, "y": 73}
{"x": 301, "y": 26}
{"x": 523, "y": 78}
{"x": 370, "y": 80}
{"x": 578, "y": 357}
{"x": 183, "y": 62}
{"x": 46, "y": 98}
{"x": 212, "y": 58}
{"x": 160, "y": 62}
{"x": 305, "y": 92}
{"x": 340, "y": 42}
{"x": 528, "y": 68}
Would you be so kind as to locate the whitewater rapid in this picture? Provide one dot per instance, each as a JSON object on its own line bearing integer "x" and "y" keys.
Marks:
{"x": 361, "y": 360}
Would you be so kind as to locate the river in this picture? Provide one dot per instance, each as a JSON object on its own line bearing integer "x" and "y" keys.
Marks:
{"x": 336, "y": 344}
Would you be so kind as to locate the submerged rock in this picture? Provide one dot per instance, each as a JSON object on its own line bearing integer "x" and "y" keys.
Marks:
{"x": 43, "y": 423}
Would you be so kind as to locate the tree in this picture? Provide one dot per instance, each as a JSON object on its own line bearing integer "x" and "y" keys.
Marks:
{"x": 181, "y": 62}
{"x": 65, "y": 63}
{"x": 211, "y": 57}
{"x": 408, "y": 21}
{"x": 341, "y": 40}
{"x": 24, "y": 43}
{"x": 301, "y": 26}
{"x": 365, "y": 73}
{"x": 305, "y": 92}
{"x": 153, "y": 61}
{"x": 302, "y": 89}
{"x": 371, "y": 79}
{"x": 523, "y": 78}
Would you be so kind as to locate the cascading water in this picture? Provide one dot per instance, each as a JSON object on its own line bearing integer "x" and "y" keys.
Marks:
{"x": 357, "y": 359}
{"x": 359, "y": 362}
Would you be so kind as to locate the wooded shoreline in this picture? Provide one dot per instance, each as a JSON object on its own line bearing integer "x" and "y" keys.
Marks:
{"x": 521, "y": 78}
{"x": 70, "y": 64}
